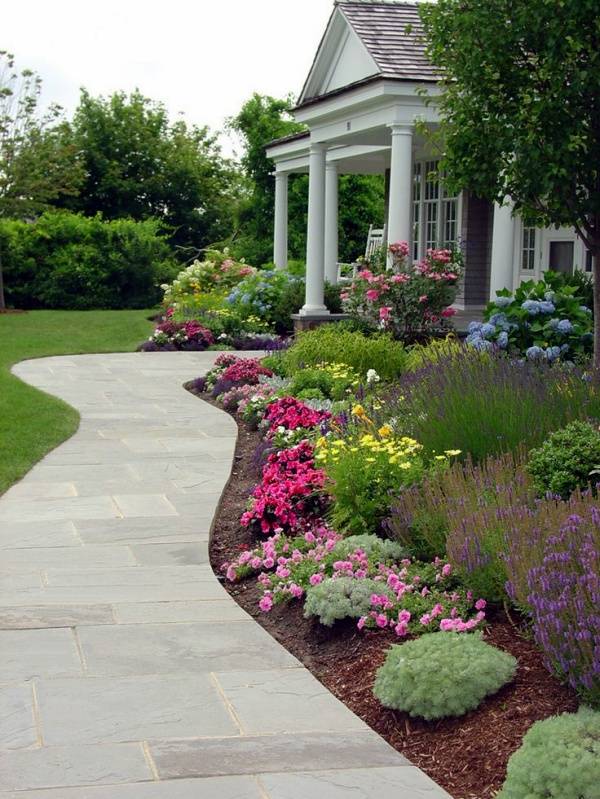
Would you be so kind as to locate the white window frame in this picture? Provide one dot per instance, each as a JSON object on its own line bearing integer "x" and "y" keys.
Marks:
{"x": 419, "y": 244}
{"x": 543, "y": 237}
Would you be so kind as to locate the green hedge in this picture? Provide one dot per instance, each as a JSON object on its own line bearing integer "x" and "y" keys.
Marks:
{"x": 70, "y": 261}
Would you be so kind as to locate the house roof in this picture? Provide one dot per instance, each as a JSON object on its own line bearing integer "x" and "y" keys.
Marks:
{"x": 392, "y": 35}
{"x": 392, "y": 32}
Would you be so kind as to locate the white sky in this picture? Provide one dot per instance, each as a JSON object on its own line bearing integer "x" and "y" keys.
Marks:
{"x": 203, "y": 58}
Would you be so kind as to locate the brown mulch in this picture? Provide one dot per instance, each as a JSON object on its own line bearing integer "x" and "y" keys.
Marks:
{"x": 467, "y": 756}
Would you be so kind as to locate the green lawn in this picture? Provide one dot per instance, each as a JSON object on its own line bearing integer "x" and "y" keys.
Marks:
{"x": 32, "y": 422}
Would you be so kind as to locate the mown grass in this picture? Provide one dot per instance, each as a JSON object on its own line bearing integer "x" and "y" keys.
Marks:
{"x": 32, "y": 422}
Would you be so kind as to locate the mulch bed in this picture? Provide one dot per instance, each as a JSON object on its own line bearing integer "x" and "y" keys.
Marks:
{"x": 466, "y": 756}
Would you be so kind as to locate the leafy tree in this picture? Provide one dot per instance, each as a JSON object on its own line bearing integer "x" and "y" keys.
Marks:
{"x": 38, "y": 159}
{"x": 140, "y": 165}
{"x": 520, "y": 108}
{"x": 261, "y": 120}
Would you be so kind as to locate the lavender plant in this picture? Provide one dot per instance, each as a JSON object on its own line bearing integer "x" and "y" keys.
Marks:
{"x": 484, "y": 403}
{"x": 564, "y": 595}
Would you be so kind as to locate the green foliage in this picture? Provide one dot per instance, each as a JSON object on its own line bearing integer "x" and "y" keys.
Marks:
{"x": 442, "y": 674}
{"x": 374, "y": 547}
{"x": 519, "y": 103}
{"x": 138, "y": 164}
{"x": 333, "y": 381}
{"x": 543, "y": 319}
{"x": 519, "y": 107}
{"x": 38, "y": 161}
{"x": 363, "y": 469}
{"x": 337, "y": 343}
{"x": 341, "y": 598}
{"x": 65, "y": 260}
{"x": 558, "y": 759}
{"x": 565, "y": 461}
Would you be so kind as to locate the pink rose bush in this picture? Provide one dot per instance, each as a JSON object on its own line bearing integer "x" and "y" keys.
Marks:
{"x": 407, "y": 300}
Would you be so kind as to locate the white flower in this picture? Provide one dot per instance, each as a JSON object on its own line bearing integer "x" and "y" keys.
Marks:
{"x": 372, "y": 377}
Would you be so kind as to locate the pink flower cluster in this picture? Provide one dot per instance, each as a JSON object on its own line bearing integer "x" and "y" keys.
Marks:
{"x": 289, "y": 494}
{"x": 290, "y": 413}
{"x": 246, "y": 370}
{"x": 233, "y": 399}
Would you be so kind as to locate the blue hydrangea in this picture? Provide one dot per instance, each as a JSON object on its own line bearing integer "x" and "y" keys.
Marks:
{"x": 550, "y": 296}
{"x": 531, "y": 306}
{"x": 585, "y": 309}
{"x": 547, "y": 307}
{"x": 502, "y": 340}
{"x": 482, "y": 344}
{"x": 535, "y": 353}
{"x": 497, "y": 319}
{"x": 564, "y": 326}
{"x": 503, "y": 302}
{"x": 553, "y": 353}
{"x": 474, "y": 327}
{"x": 553, "y": 323}
{"x": 487, "y": 330}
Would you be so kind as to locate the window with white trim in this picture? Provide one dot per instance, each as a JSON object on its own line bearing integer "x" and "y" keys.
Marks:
{"x": 528, "y": 249}
{"x": 435, "y": 211}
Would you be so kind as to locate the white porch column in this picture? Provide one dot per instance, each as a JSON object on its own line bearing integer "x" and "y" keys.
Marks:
{"x": 331, "y": 222}
{"x": 503, "y": 242}
{"x": 280, "y": 240}
{"x": 315, "y": 240}
{"x": 399, "y": 227}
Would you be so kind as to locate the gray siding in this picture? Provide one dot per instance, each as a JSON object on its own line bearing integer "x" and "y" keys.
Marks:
{"x": 476, "y": 234}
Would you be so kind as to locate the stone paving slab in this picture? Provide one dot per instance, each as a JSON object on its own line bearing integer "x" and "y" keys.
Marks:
{"x": 126, "y": 670}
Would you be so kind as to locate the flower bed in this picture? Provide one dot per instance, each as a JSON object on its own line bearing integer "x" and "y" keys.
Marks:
{"x": 355, "y": 521}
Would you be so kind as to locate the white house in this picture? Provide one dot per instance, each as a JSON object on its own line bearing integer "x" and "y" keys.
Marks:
{"x": 360, "y": 103}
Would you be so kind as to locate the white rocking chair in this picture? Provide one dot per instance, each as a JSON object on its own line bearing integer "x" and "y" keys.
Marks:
{"x": 375, "y": 240}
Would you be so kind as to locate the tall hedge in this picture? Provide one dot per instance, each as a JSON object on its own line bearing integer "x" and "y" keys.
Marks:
{"x": 70, "y": 261}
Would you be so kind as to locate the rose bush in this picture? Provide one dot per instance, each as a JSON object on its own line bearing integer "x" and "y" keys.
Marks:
{"x": 410, "y": 301}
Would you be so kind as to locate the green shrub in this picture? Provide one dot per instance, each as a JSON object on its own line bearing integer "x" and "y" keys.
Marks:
{"x": 333, "y": 380}
{"x": 340, "y": 598}
{"x": 564, "y": 462}
{"x": 363, "y": 468}
{"x": 65, "y": 260}
{"x": 337, "y": 343}
{"x": 373, "y": 546}
{"x": 442, "y": 674}
{"x": 558, "y": 759}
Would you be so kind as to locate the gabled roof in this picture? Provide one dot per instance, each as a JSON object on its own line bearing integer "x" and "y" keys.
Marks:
{"x": 386, "y": 37}
{"x": 392, "y": 32}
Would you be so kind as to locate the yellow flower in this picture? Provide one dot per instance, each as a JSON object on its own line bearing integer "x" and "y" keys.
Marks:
{"x": 452, "y": 452}
{"x": 385, "y": 431}
{"x": 440, "y": 457}
{"x": 359, "y": 411}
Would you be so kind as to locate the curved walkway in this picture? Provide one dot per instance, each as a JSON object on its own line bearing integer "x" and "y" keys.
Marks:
{"x": 126, "y": 670}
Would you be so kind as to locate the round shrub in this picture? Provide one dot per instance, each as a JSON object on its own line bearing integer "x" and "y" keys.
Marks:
{"x": 341, "y": 598}
{"x": 372, "y": 545}
{"x": 564, "y": 462}
{"x": 559, "y": 759}
{"x": 442, "y": 674}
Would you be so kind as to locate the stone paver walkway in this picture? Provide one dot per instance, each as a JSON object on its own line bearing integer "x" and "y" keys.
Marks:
{"x": 126, "y": 671}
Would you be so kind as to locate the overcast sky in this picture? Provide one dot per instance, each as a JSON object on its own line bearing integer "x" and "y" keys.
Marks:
{"x": 202, "y": 58}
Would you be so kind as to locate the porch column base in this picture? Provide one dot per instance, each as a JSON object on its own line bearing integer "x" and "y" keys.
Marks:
{"x": 309, "y": 321}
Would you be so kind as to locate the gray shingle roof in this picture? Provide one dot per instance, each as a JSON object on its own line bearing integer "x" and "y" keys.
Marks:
{"x": 393, "y": 34}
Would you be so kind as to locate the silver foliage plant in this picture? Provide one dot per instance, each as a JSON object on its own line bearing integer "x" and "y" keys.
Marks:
{"x": 442, "y": 674}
